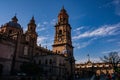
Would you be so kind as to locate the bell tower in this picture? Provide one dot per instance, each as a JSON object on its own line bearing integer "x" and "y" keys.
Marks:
{"x": 30, "y": 39}
{"x": 62, "y": 39}
{"x": 31, "y": 34}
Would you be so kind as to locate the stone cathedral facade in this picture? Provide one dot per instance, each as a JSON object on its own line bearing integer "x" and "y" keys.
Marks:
{"x": 18, "y": 47}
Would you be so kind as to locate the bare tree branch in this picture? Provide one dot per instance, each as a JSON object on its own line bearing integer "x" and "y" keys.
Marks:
{"x": 113, "y": 58}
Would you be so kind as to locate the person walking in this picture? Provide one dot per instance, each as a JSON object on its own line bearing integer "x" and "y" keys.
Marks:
{"x": 109, "y": 77}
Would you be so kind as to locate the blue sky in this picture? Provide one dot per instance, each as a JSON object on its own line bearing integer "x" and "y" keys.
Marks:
{"x": 95, "y": 23}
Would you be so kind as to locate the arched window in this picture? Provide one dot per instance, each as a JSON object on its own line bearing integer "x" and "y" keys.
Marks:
{"x": 60, "y": 32}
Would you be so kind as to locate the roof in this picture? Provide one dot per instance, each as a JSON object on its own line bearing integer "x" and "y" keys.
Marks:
{"x": 13, "y": 23}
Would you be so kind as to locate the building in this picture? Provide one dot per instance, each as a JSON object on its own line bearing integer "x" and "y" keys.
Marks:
{"x": 18, "y": 47}
{"x": 88, "y": 69}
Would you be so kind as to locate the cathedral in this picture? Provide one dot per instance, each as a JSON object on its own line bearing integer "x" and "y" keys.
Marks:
{"x": 18, "y": 48}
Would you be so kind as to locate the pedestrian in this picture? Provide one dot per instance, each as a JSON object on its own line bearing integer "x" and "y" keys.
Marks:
{"x": 113, "y": 76}
{"x": 109, "y": 77}
{"x": 97, "y": 77}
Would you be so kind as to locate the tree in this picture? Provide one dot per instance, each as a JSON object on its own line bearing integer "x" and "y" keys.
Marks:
{"x": 113, "y": 58}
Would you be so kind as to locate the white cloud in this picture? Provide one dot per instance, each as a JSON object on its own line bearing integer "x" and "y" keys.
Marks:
{"x": 79, "y": 28}
{"x": 106, "y": 5}
{"x": 41, "y": 26}
{"x": 45, "y": 41}
{"x": 111, "y": 40}
{"x": 118, "y": 43}
{"x": 45, "y": 23}
{"x": 77, "y": 45}
{"x": 83, "y": 44}
{"x": 53, "y": 22}
{"x": 24, "y": 29}
{"x": 114, "y": 50}
{"x": 105, "y": 30}
{"x": 116, "y": 3}
{"x": 41, "y": 29}
{"x": 47, "y": 44}
{"x": 41, "y": 39}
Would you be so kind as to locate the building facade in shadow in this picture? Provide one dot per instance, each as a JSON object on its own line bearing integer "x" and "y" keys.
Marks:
{"x": 18, "y": 48}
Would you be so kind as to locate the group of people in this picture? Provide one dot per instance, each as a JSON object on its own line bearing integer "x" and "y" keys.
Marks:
{"x": 114, "y": 76}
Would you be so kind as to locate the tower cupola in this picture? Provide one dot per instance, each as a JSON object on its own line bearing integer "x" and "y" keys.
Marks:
{"x": 14, "y": 19}
{"x": 32, "y": 25}
{"x": 32, "y": 21}
{"x": 63, "y": 16}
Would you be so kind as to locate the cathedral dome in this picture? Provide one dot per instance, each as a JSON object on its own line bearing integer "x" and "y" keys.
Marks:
{"x": 13, "y": 23}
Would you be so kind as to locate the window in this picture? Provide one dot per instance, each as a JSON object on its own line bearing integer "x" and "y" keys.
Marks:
{"x": 25, "y": 50}
{"x": 2, "y": 30}
{"x": 27, "y": 38}
{"x": 58, "y": 51}
{"x": 60, "y": 32}
{"x": 34, "y": 62}
{"x": 39, "y": 61}
{"x": 46, "y": 62}
{"x": 10, "y": 31}
{"x": 36, "y": 54}
{"x": 50, "y": 70}
{"x": 1, "y": 69}
{"x": 31, "y": 28}
{"x": 50, "y": 62}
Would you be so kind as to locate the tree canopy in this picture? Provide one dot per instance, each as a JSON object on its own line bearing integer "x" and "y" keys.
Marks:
{"x": 113, "y": 58}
